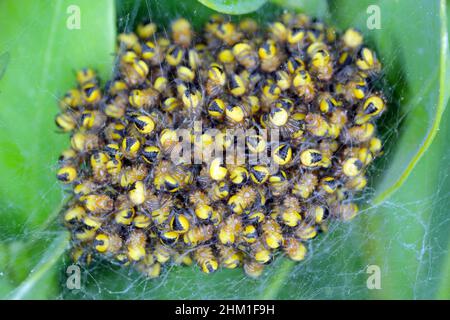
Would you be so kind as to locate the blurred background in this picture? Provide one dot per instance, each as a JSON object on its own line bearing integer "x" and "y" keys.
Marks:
{"x": 402, "y": 230}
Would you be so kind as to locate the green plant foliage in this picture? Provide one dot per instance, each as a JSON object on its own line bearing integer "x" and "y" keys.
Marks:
{"x": 403, "y": 229}
{"x": 415, "y": 59}
{"x": 234, "y": 6}
{"x": 39, "y": 55}
{"x": 317, "y": 9}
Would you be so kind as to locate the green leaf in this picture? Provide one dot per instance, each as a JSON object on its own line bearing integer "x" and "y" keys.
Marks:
{"x": 407, "y": 232}
{"x": 234, "y": 6}
{"x": 130, "y": 12}
{"x": 38, "y": 56}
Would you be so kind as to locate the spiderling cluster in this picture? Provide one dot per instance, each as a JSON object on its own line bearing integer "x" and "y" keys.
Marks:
{"x": 138, "y": 201}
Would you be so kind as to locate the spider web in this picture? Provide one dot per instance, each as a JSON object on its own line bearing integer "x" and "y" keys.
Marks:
{"x": 336, "y": 263}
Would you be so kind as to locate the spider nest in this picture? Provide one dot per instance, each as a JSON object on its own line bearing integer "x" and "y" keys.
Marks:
{"x": 222, "y": 147}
